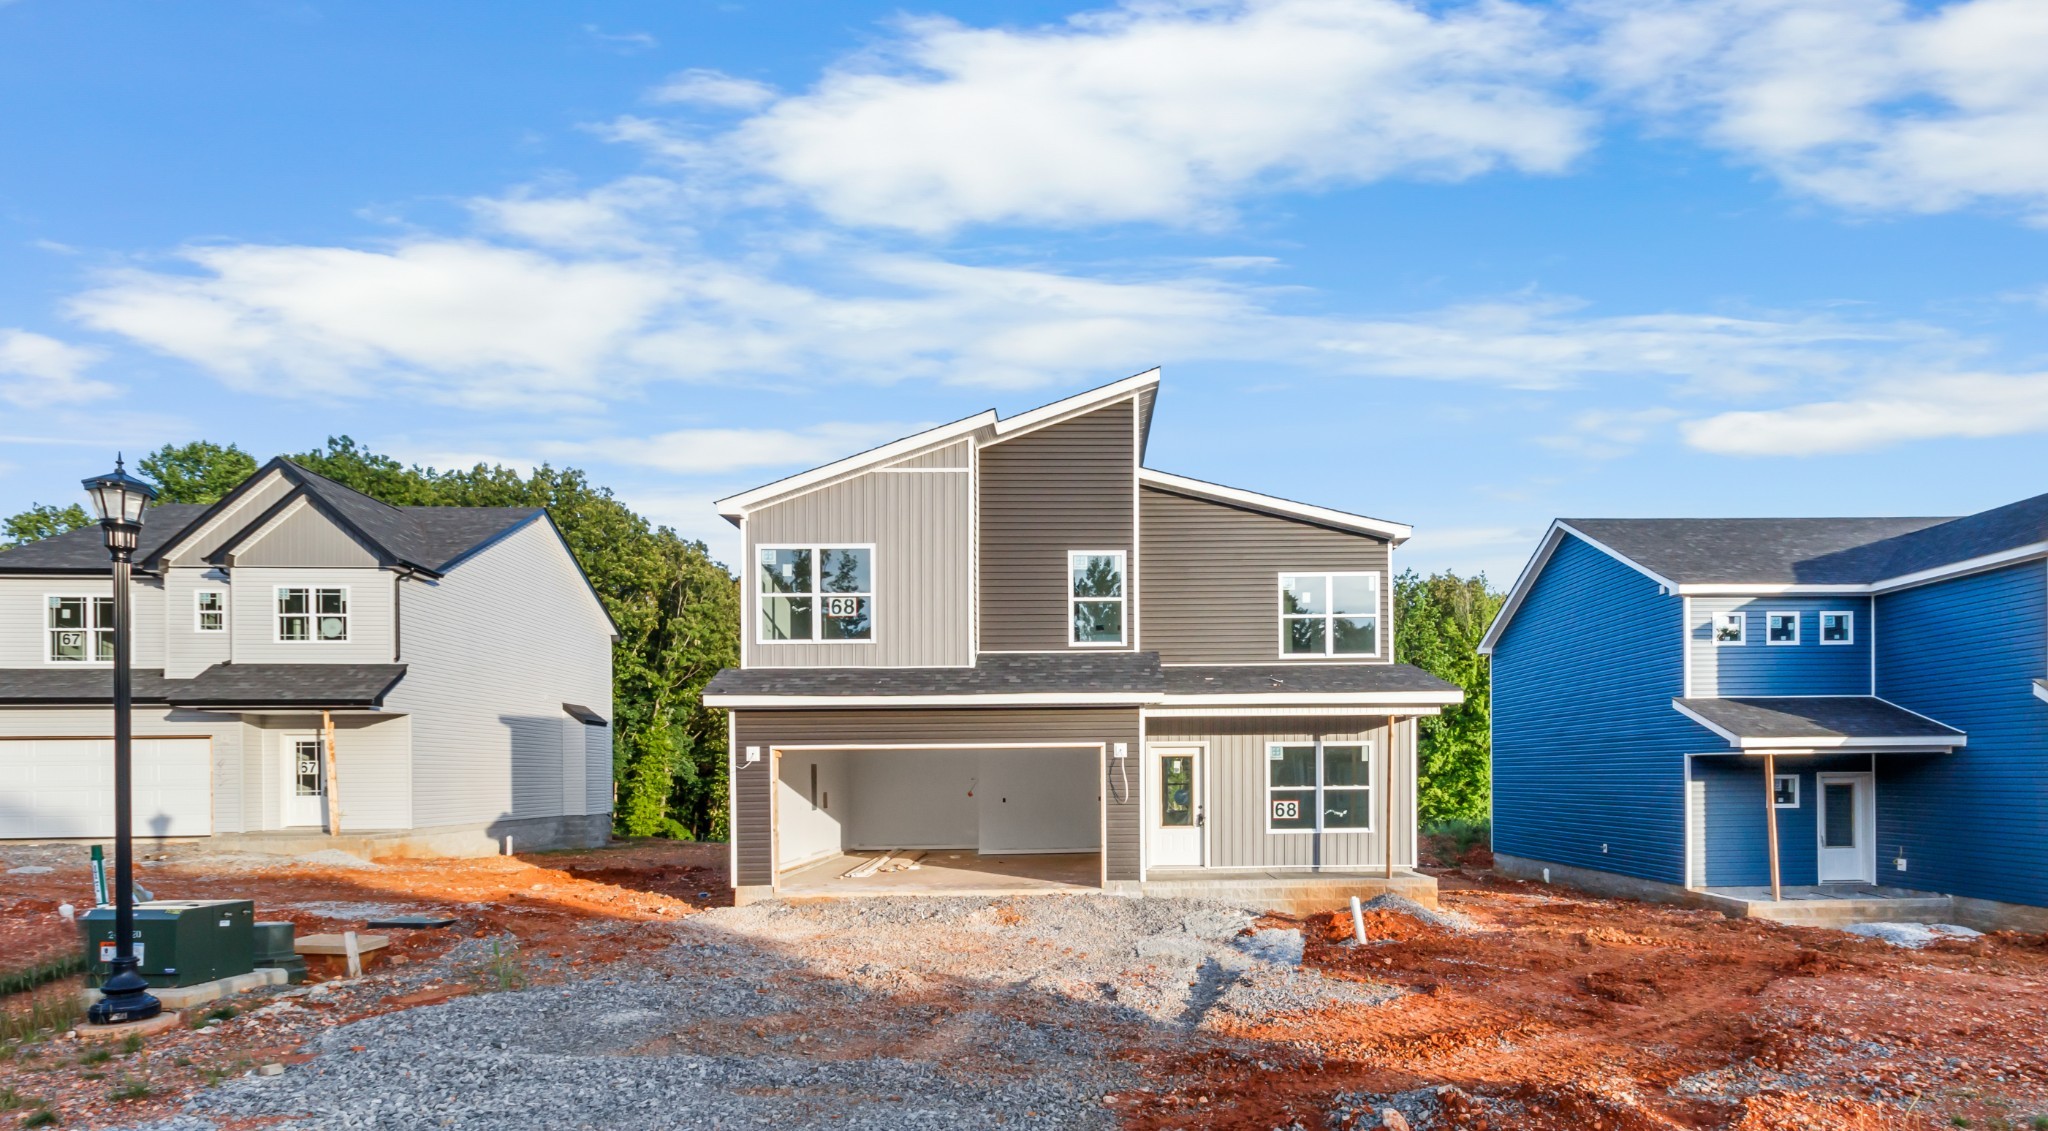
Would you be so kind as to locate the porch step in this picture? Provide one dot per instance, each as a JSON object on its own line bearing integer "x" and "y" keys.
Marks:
{"x": 1304, "y": 894}
{"x": 1838, "y": 911}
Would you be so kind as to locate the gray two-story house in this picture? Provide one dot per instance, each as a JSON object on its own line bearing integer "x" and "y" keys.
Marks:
{"x": 1006, "y": 638}
{"x": 309, "y": 660}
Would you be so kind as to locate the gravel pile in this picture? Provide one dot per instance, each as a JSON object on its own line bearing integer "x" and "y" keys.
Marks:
{"x": 1912, "y": 936}
{"x": 1447, "y": 919}
{"x": 872, "y": 1013}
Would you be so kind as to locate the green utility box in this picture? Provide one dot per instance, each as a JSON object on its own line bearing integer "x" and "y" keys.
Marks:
{"x": 180, "y": 942}
{"x": 274, "y": 948}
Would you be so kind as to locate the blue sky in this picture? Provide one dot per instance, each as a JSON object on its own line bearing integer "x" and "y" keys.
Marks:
{"x": 1466, "y": 266}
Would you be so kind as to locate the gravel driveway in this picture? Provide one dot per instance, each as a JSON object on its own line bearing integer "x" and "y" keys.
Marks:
{"x": 881, "y": 1013}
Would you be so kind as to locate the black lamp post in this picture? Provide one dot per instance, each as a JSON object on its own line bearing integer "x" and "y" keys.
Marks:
{"x": 120, "y": 499}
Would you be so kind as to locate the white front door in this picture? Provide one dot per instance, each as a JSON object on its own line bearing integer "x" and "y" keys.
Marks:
{"x": 305, "y": 781}
{"x": 1176, "y": 777}
{"x": 1848, "y": 828}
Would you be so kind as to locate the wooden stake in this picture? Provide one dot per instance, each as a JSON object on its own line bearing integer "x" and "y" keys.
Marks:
{"x": 1771, "y": 818}
{"x": 1387, "y": 840}
{"x": 327, "y": 756}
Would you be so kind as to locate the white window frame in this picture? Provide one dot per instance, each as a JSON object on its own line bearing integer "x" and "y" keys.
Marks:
{"x": 199, "y": 610}
{"x": 277, "y": 614}
{"x": 1281, "y": 616}
{"x": 1848, "y": 617}
{"x": 1122, "y": 598}
{"x": 92, "y": 601}
{"x": 1369, "y": 788}
{"x": 1792, "y": 804}
{"x": 1792, "y": 643}
{"x": 1741, "y": 621}
{"x": 817, "y": 550}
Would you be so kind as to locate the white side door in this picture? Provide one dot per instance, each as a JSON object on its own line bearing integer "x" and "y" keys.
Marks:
{"x": 1174, "y": 786}
{"x": 305, "y": 781}
{"x": 1848, "y": 828}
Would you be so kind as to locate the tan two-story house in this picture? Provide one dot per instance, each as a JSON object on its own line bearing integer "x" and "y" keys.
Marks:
{"x": 1006, "y": 652}
{"x": 313, "y": 666}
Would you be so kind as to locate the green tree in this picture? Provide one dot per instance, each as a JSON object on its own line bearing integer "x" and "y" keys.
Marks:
{"x": 43, "y": 520}
{"x": 198, "y": 472}
{"x": 1439, "y": 621}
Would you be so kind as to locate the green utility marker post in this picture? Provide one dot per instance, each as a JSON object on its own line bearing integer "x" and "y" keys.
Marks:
{"x": 99, "y": 877}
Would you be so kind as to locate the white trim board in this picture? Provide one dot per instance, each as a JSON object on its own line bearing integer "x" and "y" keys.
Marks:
{"x": 993, "y": 699}
{"x": 733, "y": 506}
{"x": 1044, "y": 416}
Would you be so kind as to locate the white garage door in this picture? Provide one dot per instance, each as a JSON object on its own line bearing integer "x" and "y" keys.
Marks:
{"x": 64, "y": 787}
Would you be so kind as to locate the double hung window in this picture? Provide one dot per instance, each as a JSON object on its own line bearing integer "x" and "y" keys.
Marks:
{"x": 816, "y": 593}
{"x": 1318, "y": 787}
{"x": 1329, "y": 614}
{"x": 307, "y": 613}
{"x": 210, "y": 610}
{"x": 81, "y": 630}
{"x": 1095, "y": 597}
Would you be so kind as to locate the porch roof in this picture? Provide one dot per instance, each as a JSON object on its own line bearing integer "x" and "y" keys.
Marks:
{"x": 220, "y": 687}
{"x": 1818, "y": 722}
{"x": 1054, "y": 678}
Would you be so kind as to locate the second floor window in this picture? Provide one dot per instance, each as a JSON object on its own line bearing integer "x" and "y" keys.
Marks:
{"x": 212, "y": 610}
{"x": 1781, "y": 628}
{"x": 81, "y": 630}
{"x": 1728, "y": 628}
{"x": 1329, "y": 614}
{"x": 1095, "y": 596}
{"x": 1838, "y": 628}
{"x": 319, "y": 615}
{"x": 817, "y": 593}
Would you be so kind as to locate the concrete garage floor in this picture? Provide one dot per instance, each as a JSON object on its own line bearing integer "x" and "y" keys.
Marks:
{"x": 950, "y": 872}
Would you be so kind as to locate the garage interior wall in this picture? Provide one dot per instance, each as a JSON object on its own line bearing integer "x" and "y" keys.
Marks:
{"x": 990, "y": 801}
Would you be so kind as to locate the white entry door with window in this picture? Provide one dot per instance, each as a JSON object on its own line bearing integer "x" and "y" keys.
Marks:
{"x": 1176, "y": 805}
{"x": 305, "y": 781}
{"x": 1848, "y": 828}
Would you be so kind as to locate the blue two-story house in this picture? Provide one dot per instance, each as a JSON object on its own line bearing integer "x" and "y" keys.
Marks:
{"x": 1666, "y": 691}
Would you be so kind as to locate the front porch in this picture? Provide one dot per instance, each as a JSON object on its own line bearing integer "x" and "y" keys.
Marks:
{"x": 1295, "y": 891}
{"x": 1831, "y": 905}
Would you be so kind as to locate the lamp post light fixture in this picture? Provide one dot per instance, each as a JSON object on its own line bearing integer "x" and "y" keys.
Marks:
{"x": 120, "y": 499}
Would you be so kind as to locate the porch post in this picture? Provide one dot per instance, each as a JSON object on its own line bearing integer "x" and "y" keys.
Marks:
{"x": 333, "y": 794}
{"x": 1771, "y": 818}
{"x": 1387, "y": 841}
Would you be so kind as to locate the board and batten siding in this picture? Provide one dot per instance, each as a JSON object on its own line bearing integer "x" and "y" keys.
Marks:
{"x": 302, "y": 536}
{"x": 1966, "y": 651}
{"x": 224, "y": 731}
{"x": 1211, "y": 585}
{"x": 753, "y": 783}
{"x": 254, "y": 622}
{"x": 493, "y": 649}
{"x": 1587, "y": 750}
{"x": 372, "y": 766}
{"x": 1235, "y": 789}
{"x": 24, "y": 617}
{"x": 1756, "y": 667}
{"x": 918, "y": 523}
{"x": 218, "y": 530}
{"x": 958, "y": 455}
{"x": 1063, "y": 487}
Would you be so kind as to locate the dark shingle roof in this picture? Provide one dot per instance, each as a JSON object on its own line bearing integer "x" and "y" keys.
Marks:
{"x": 430, "y": 538}
{"x": 84, "y": 550}
{"x": 1302, "y": 679}
{"x": 1820, "y": 717}
{"x": 1058, "y": 673}
{"x": 1803, "y": 551}
{"x": 1972, "y": 536}
{"x": 220, "y": 686}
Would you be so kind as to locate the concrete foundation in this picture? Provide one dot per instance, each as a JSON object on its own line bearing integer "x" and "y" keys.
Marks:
{"x": 1285, "y": 890}
{"x": 185, "y": 997}
{"x": 531, "y": 834}
{"x": 1815, "y": 906}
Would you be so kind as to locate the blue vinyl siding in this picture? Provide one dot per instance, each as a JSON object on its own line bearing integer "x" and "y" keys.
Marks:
{"x": 1587, "y": 749}
{"x": 1734, "y": 850}
{"x": 1756, "y": 667}
{"x": 1966, "y": 652}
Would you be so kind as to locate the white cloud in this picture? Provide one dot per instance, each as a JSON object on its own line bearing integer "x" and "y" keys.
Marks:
{"x": 1965, "y": 405}
{"x": 702, "y": 87}
{"x": 37, "y": 371}
{"x": 704, "y": 451}
{"x": 1873, "y": 104}
{"x": 1609, "y": 433}
{"x": 1157, "y": 111}
{"x": 623, "y": 42}
{"x": 612, "y": 217}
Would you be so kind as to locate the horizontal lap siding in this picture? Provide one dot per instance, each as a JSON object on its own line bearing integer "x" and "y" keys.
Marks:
{"x": 1966, "y": 652}
{"x": 1587, "y": 749}
{"x": 1212, "y": 577}
{"x": 753, "y": 784}
{"x": 1235, "y": 805}
{"x": 1735, "y": 849}
{"x": 1756, "y": 667}
{"x": 918, "y": 523}
{"x": 1068, "y": 486}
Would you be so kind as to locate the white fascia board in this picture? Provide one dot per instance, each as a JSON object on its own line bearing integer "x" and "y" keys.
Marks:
{"x": 1268, "y": 712}
{"x": 1395, "y": 531}
{"x": 1527, "y": 578}
{"x": 1731, "y": 589}
{"x": 2041, "y": 689}
{"x": 1733, "y": 739}
{"x": 1003, "y": 699}
{"x": 1059, "y": 410}
{"x": 1383, "y": 699}
{"x": 1738, "y": 742}
{"x": 732, "y": 506}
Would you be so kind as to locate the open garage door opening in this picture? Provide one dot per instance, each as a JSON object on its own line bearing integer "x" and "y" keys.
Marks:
{"x": 955, "y": 820}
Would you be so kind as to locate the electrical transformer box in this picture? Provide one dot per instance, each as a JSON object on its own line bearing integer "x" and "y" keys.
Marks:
{"x": 180, "y": 942}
